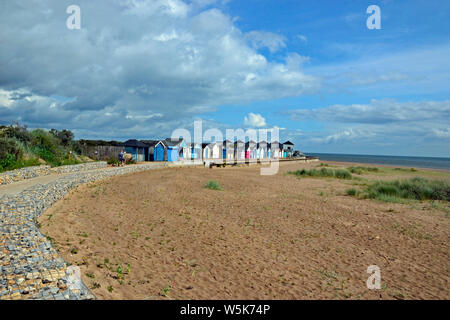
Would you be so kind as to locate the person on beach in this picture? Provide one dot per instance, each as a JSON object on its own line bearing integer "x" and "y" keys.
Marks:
{"x": 124, "y": 158}
{"x": 121, "y": 157}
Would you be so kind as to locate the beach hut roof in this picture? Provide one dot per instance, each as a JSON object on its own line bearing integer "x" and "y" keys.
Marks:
{"x": 209, "y": 145}
{"x": 288, "y": 142}
{"x": 134, "y": 144}
{"x": 152, "y": 143}
{"x": 170, "y": 142}
{"x": 250, "y": 144}
{"x": 262, "y": 144}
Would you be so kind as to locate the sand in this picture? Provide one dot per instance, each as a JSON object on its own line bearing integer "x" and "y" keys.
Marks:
{"x": 164, "y": 236}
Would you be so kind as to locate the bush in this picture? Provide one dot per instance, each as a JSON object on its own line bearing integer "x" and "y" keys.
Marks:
{"x": 46, "y": 146}
{"x": 416, "y": 188}
{"x": 351, "y": 192}
{"x": 342, "y": 174}
{"x": 213, "y": 185}
{"x": 361, "y": 170}
{"x": 323, "y": 172}
{"x": 11, "y": 153}
{"x": 17, "y": 132}
{"x": 113, "y": 161}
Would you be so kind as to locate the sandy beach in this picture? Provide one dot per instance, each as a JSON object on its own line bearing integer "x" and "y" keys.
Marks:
{"x": 160, "y": 234}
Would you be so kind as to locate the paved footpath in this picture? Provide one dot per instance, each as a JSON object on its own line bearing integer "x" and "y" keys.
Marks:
{"x": 30, "y": 268}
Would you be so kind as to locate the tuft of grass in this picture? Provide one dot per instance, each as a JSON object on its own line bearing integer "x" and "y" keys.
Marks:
{"x": 416, "y": 188}
{"x": 324, "y": 172}
{"x": 213, "y": 185}
{"x": 406, "y": 170}
{"x": 351, "y": 192}
{"x": 411, "y": 189}
{"x": 361, "y": 170}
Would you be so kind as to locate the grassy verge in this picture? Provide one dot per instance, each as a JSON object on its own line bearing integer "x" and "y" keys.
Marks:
{"x": 323, "y": 173}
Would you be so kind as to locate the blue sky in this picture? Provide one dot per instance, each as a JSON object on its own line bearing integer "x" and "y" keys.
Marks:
{"x": 311, "y": 68}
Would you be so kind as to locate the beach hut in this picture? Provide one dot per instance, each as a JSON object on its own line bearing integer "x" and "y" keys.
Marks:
{"x": 137, "y": 149}
{"x": 227, "y": 150}
{"x": 195, "y": 150}
{"x": 261, "y": 150}
{"x": 156, "y": 150}
{"x": 275, "y": 150}
{"x": 175, "y": 149}
{"x": 239, "y": 150}
{"x": 287, "y": 149}
{"x": 206, "y": 150}
{"x": 216, "y": 150}
{"x": 211, "y": 151}
{"x": 250, "y": 149}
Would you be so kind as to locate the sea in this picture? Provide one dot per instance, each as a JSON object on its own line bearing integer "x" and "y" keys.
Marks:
{"x": 411, "y": 162}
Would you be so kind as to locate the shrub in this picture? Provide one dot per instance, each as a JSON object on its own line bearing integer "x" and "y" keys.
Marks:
{"x": 11, "y": 153}
{"x": 46, "y": 146}
{"x": 342, "y": 174}
{"x": 113, "y": 161}
{"x": 213, "y": 185}
{"x": 17, "y": 132}
{"x": 351, "y": 192}
{"x": 416, "y": 188}
{"x": 361, "y": 170}
{"x": 323, "y": 172}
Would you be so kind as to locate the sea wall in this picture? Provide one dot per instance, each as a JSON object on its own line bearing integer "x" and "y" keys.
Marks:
{"x": 37, "y": 171}
{"x": 30, "y": 267}
{"x": 23, "y": 173}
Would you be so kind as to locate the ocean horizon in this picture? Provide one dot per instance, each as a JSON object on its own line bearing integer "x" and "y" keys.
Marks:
{"x": 406, "y": 161}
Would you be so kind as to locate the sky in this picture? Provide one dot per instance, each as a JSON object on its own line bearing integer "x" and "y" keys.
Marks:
{"x": 311, "y": 69}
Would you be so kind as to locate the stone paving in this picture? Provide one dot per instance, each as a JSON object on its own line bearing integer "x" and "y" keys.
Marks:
{"x": 30, "y": 267}
{"x": 37, "y": 171}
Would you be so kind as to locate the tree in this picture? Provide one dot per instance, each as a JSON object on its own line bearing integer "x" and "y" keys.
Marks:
{"x": 65, "y": 136}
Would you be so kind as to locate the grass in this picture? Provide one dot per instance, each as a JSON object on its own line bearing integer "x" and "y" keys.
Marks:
{"x": 361, "y": 170}
{"x": 324, "y": 172}
{"x": 404, "y": 169}
{"x": 351, "y": 192}
{"x": 411, "y": 189}
{"x": 213, "y": 185}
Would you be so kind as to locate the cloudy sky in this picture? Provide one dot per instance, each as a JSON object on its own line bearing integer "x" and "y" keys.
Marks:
{"x": 142, "y": 68}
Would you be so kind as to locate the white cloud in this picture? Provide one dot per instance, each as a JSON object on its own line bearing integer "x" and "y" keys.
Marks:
{"x": 442, "y": 133}
{"x": 255, "y": 120}
{"x": 408, "y": 128}
{"x": 302, "y": 38}
{"x": 378, "y": 112}
{"x": 135, "y": 58}
{"x": 260, "y": 39}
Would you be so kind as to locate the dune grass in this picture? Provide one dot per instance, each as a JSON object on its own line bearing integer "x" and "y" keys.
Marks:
{"x": 213, "y": 185}
{"x": 323, "y": 173}
{"x": 411, "y": 189}
{"x": 361, "y": 170}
